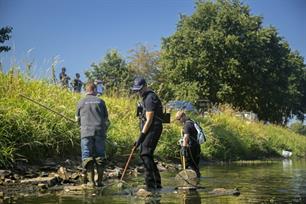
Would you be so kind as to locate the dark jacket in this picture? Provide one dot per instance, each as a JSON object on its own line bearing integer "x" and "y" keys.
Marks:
{"x": 93, "y": 116}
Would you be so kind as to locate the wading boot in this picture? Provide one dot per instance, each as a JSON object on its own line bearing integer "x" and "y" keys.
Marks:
{"x": 100, "y": 170}
{"x": 90, "y": 173}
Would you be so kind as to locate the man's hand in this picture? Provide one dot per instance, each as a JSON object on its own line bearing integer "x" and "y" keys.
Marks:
{"x": 139, "y": 140}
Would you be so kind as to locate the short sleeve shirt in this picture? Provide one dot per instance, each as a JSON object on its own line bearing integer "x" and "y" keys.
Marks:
{"x": 152, "y": 103}
{"x": 191, "y": 131}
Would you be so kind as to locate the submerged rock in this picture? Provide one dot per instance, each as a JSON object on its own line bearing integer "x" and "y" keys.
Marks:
{"x": 49, "y": 181}
{"x": 223, "y": 191}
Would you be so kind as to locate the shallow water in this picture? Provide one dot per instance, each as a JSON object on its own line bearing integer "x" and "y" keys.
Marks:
{"x": 258, "y": 182}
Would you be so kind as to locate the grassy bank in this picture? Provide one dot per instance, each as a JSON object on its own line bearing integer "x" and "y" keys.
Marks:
{"x": 31, "y": 132}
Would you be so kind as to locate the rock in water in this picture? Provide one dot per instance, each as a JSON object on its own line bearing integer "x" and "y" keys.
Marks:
{"x": 223, "y": 191}
{"x": 143, "y": 193}
{"x": 120, "y": 185}
{"x": 186, "y": 179}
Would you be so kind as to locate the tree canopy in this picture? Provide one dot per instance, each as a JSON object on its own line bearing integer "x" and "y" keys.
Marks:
{"x": 224, "y": 54}
{"x": 144, "y": 62}
{"x": 112, "y": 70}
{"x": 4, "y": 36}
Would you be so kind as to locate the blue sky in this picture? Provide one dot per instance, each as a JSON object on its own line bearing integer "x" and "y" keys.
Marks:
{"x": 79, "y": 32}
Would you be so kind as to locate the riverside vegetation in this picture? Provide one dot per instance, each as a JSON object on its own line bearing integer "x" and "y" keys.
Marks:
{"x": 30, "y": 132}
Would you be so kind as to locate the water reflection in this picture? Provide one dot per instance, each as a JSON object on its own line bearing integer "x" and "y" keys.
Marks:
{"x": 189, "y": 197}
{"x": 273, "y": 182}
{"x": 287, "y": 164}
{"x": 153, "y": 200}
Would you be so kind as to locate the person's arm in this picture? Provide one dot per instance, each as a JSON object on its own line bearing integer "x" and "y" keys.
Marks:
{"x": 147, "y": 125}
{"x": 186, "y": 140}
{"x": 187, "y": 132}
{"x": 185, "y": 144}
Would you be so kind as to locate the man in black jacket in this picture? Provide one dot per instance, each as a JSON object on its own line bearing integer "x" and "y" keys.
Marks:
{"x": 150, "y": 131}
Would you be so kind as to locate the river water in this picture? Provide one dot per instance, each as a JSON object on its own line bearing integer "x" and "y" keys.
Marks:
{"x": 258, "y": 182}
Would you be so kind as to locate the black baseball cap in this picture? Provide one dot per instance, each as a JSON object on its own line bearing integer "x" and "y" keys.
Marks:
{"x": 139, "y": 82}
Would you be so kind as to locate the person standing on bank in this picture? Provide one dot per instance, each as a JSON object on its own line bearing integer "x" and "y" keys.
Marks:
{"x": 191, "y": 148}
{"x": 64, "y": 78}
{"x": 150, "y": 131}
{"x": 77, "y": 84}
{"x": 92, "y": 115}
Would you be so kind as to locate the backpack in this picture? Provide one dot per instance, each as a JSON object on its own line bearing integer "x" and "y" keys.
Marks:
{"x": 201, "y": 137}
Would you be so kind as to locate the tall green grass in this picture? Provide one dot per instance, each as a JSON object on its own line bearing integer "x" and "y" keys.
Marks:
{"x": 234, "y": 138}
{"x": 32, "y": 132}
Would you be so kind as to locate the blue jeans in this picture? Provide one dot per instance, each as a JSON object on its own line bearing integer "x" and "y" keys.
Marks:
{"x": 93, "y": 146}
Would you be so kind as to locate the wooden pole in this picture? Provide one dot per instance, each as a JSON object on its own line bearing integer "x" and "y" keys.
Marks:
{"x": 128, "y": 161}
{"x": 46, "y": 107}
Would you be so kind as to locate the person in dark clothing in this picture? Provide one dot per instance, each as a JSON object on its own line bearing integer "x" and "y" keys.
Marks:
{"x": 151, "y": 129}
{"x": 64, "y": 78}
{"x": 191, "y": 148}
{"x": 77, "y": 84}
{"x": 92, "y": 115}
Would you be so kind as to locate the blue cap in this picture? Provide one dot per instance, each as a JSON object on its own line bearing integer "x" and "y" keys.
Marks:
{"x": 139, "y": 82}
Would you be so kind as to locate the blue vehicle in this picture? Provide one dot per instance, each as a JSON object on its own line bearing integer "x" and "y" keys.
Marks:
{"x": 181, "y": 105}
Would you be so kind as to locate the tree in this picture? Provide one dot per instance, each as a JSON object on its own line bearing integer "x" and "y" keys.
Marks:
{"x": 5, "y": 35}
{"x": 144, "y": 62}
{"x": 225, "y": 55}
{"x": 112, "y": 70}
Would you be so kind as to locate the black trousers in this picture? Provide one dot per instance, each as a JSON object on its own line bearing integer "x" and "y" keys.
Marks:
{"x": 193, "y": 158}
{"x": 147, "y": 148}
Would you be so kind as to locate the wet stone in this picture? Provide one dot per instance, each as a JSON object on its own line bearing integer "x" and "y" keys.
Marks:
{"x": 42, "y": 186}
{"x": 50, "y": 181}
{"x": 73, "y": 188}
{"x": 143, "y": 193}
{"x": 63, "y": 173}
{"x": 16, "y": 177}
{"x": 44, "y": 174}
{"x": 75, "y": 176}
{"x": 223, "y": 191}
{"x": 161, "y": 167}
{"x": 186, "y": 178}
{"x": 8, "y": 181}
{"x": 4, "y": 174}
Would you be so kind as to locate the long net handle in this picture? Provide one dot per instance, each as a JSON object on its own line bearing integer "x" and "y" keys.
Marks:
{"x": 46, "y": 107}
{"x": 127, "y": 163}
{"x": 184, "y": 163}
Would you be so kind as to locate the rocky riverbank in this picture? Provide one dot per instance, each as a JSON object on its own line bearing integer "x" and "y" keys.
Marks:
{"x": 49, "y": 176}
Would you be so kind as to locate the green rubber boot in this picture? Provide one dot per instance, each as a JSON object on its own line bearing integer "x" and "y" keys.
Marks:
{"x": 88, "y": 164}
{"x": 100, "y": 170}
